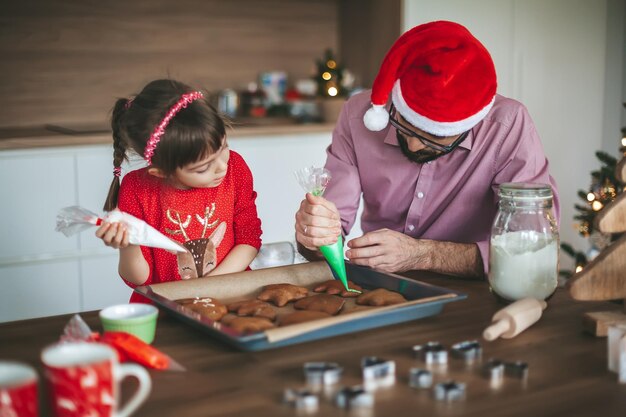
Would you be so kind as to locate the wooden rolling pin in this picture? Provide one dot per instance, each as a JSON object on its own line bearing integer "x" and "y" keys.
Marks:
{"x": 514, "y": 318}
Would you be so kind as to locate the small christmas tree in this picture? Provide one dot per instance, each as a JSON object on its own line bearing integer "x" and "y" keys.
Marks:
{"x": 604, "y": 188}
{"x": 329, "y": 76}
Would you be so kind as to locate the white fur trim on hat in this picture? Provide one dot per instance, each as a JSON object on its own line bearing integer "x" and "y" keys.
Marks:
{"x": 431, "y": 126}
{"x": 376, "y": 118}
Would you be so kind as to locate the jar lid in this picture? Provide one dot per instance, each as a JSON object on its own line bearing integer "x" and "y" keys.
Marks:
{"x": 525, "y": 190}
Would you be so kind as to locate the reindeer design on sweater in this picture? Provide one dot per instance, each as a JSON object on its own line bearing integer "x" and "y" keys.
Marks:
{"x": 201, "y": 256}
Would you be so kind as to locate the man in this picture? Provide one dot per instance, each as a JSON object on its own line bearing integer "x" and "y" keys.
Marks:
{"x": 428, "y": 163}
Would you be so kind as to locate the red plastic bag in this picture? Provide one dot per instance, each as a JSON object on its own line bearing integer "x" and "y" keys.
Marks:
{"x": 127, "y": 346}
{"x": 137, "y": 350}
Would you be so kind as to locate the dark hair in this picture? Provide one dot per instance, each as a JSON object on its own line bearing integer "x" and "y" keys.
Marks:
{"x": 193, "y": 133}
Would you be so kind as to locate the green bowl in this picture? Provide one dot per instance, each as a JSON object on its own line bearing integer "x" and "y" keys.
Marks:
{"x": 134, "y": 318}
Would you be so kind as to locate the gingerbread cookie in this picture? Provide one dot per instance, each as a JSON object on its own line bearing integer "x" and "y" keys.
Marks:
{"x": 358, "y": 308}
{"x": 281, "y": 294}
{"x": 248, "y": 324}
{"x": 255, "y": 308}
{"x": 301, "y": 317}
{"x": 330, "y": 304}
{"x": 380, "y": 297}
{"x": 335, "y": 287}
{"x": 205, "y": 306}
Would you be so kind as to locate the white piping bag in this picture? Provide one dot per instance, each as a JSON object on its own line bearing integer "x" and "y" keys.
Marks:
{"x": 75, "y": 219}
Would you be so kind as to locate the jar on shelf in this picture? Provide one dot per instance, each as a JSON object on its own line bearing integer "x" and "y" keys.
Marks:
{"x": 524, "y": 246}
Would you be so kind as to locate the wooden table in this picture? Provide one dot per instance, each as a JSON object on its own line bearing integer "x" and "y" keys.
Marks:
{"x": 568, "y": 373}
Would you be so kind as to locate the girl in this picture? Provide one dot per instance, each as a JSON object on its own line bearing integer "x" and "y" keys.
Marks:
{"x": 194, "y": 189}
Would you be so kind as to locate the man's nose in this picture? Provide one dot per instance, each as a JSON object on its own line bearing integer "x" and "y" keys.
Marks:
{"x": 414, "y": 144}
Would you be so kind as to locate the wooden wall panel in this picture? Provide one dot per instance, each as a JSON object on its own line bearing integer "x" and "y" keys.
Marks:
{"x": 65, "y": 61}
{"x": 367, "y": 30}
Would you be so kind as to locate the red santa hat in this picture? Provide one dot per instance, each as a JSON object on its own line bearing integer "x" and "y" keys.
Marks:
{"x": 441, "y": 78}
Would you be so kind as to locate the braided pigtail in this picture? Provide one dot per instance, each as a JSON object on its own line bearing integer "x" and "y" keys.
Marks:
{"x": 119, "y": 151}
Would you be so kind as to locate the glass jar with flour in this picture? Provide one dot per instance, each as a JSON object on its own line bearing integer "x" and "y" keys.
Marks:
{"x": 524, "y": 246}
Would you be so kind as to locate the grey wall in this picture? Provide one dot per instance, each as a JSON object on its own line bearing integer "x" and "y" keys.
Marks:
{"x": 614, "y": 112}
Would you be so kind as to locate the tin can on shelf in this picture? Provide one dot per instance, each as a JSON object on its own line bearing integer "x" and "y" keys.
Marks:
{"x": 228, "y": 102}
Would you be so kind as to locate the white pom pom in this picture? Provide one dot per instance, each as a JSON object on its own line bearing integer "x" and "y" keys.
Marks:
{"x": 376, "y": 118}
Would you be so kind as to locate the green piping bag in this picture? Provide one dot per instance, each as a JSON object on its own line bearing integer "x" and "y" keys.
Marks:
{"x": 314, "y": 181}
{"x": 334, "y": 256}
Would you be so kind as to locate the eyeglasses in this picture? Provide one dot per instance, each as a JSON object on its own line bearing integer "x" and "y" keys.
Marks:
{"x": 427, "y": 142}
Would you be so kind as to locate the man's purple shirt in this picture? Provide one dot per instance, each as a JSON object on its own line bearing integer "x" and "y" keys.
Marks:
{"x": 453, "y": 198}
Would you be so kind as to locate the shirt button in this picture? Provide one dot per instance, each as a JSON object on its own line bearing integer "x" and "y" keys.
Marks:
{"x": 420, "y": 195}
{"x": 411, "y": 227}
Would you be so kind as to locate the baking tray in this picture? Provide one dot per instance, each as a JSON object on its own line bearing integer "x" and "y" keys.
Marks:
{"x": 423, "y": 300}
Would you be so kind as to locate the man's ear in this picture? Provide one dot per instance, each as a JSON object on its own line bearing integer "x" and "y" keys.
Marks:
{"x": 156, "y": 172}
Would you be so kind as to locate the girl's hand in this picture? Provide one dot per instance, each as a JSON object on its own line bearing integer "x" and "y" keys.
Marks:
{"x": 114, "y": 235}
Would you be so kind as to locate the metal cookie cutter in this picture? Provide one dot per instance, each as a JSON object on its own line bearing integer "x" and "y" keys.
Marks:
{"x": 516, "y": 369}
{"x": 432, "y": 353}
{"x": 494, "y": 370}
{"x": 469, "y": 350}
{"x": 378, "y": 372}
{"x": 322, "y": 373}
{"x": 420, "y": 378}
{"x": 354, "y": 397}
{"x": 449, "y": 391}
{"x": 301, "y": 398}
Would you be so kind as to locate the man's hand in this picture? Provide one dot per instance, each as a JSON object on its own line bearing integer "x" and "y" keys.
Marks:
{"x": 317, "y": 222}
{"x": 389, "y": 251}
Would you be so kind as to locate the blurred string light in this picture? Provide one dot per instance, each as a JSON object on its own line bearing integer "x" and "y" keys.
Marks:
{"x": 604, "y": 189}
{"x": 597, "y": 205}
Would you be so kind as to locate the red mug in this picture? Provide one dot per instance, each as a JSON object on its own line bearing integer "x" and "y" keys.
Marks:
{"x": 84, "y": 380}
{"x": 18, "y": 390}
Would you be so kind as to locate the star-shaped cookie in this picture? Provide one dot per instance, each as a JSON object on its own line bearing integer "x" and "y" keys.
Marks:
{"x": 281, "y": 294}
{"x": 255, "y": 308}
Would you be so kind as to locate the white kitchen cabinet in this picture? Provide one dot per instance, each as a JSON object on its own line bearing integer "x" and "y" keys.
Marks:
{"x": 94, "y": 167}
{"x": 34, "y": 185}
{"x": 273, "y": 161}
{"x": 101, "y": 285}
{"x": 39, "y": 289}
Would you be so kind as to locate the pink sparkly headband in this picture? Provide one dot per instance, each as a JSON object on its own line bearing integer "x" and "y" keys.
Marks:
{"x": 184, "y": 101}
